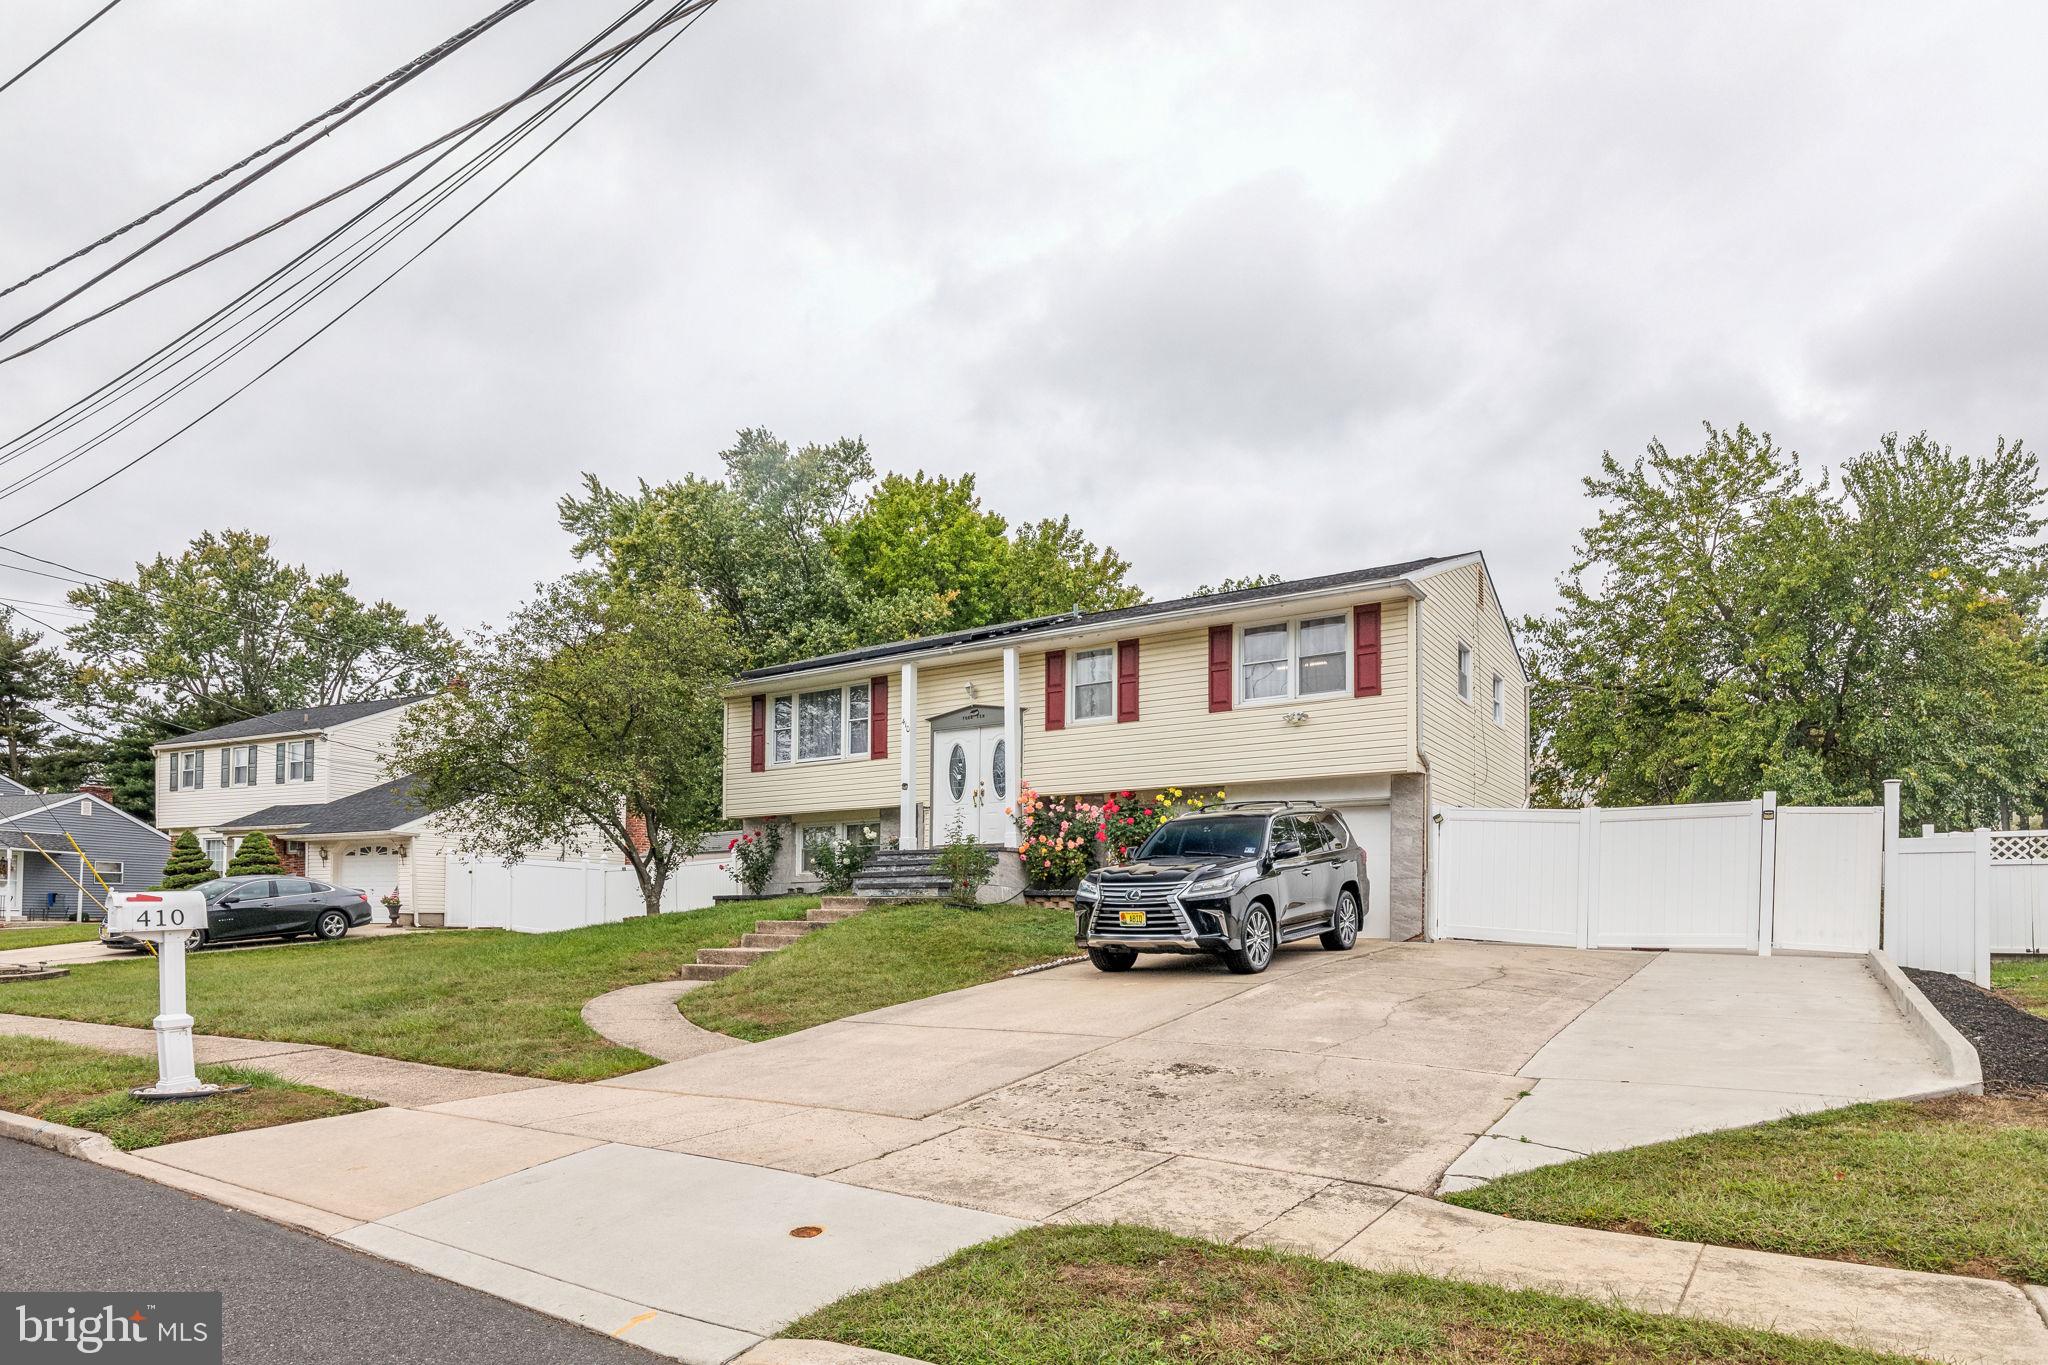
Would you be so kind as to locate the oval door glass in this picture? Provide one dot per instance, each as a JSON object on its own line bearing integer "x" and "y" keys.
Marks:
{"x": 998, "y": 769}
{"x": 956, "y": 772}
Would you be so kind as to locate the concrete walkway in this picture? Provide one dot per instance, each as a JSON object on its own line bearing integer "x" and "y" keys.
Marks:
{"x": 1697, "y": 1042}
{"x": 700, "y": 1205}
{"x": 645, "y": 1018}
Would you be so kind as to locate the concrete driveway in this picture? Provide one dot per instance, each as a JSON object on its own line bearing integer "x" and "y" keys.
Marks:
{"x": 1304, "y": 1109}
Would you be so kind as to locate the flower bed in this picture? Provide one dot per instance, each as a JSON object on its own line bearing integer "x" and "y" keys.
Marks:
{"x": 1062, "y": 837}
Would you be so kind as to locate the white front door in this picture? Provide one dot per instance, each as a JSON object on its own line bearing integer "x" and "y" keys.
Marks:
{"x": 973, "y": 779}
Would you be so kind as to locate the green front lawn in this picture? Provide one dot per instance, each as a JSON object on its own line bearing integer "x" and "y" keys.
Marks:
{"x": 83, "y": 1087}
{"x": 1957, "y": 1185}
{"x": 1130, "y": 1296}
{"x": 2024, "y": 982}
{"x": 43, "y": 935}
{"x": 879, "y": 957}
{"x": 485, "y": 999}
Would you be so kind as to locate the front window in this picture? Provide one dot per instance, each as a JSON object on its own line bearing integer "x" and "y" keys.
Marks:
{"x": 1094, "y": 684}
{"x": 811, "y": 727}
{"x": 245, "y": 766}
{"x": 1290, "y": 659}
{"x": 113, "y": 874}
{"x": 1213, "y": 836}
{"x": 819, "y": 716}
{"x": 217, "y": 854}
{"x": 819, "y": 837}
{"x": 194, "y": 769}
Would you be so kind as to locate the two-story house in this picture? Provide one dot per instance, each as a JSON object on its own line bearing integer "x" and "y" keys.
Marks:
{"x": 1378, "y": 691}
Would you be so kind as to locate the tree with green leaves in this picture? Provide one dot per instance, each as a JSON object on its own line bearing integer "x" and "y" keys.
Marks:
{"x": 596, "y": 709}
{"x": 226, "y": 630}
{"x": 1732, "y": 623}
{"x": 790, "y": 550}
{"x": 255, "y": 856}
{"x": 187, "y": 866}
{"x": 30, "y": 678}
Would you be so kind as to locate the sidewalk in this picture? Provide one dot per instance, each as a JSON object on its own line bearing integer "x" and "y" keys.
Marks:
{"x": 696, "y": 1224}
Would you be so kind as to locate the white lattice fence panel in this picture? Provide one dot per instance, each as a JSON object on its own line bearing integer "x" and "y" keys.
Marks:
{"x": 2019, "y": 846}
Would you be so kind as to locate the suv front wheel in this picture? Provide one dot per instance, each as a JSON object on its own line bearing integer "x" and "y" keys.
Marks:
{"x": 1113, "y": 959}
{"x": 1260, "y": 938}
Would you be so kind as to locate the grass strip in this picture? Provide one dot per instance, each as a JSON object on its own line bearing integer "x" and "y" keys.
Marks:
{"x": 1956, "y": 1185}
{"x": 83, "y": 1087}
{"x": 1130, "y": 1296}
{"x": 882, "y": 956}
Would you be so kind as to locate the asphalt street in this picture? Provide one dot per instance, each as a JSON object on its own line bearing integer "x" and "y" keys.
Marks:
{"x": 286, "y": 1296}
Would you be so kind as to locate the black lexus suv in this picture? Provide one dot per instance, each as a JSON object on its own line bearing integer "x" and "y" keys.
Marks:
{"x": 1237, "y": 880}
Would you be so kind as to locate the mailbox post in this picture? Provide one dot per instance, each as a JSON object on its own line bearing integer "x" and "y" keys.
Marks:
{"x": 165, "y": 918}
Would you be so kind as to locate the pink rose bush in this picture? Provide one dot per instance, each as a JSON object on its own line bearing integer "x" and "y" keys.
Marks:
{"x": 1061, "y": 837}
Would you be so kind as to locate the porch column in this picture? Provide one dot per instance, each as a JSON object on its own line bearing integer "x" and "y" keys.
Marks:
{"x": 906, "y": 801}
{"x": 1011, "y": 733}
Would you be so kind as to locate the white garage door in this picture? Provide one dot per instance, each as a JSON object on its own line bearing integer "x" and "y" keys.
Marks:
{"x": 370, "y": 867}
{"x": 1373, "y": 830}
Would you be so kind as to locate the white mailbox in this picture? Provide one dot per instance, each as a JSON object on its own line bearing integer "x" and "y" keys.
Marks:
{"x": 154, "y": 914}
{"x": 165, "y": 918}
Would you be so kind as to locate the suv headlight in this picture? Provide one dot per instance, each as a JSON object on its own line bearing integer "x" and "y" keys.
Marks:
{"x": 1089, "y": 889}
{"x": 1222, "y": 884}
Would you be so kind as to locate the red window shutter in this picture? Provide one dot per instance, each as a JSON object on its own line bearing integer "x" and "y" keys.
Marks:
{"x": 878, "y": 717}
{"x": 1219, "y": 668}
{"x": 1056, "y": 689}
{"x": 759, "y": 756}
{"x": 1365, "y": 650}
{"x": 1126, "y": 680}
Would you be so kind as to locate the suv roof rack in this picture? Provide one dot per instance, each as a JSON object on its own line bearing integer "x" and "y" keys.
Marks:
{"x": 1257, "y": 801}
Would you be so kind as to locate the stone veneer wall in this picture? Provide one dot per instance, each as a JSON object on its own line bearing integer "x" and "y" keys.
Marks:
{"x": 1407, "y": 853}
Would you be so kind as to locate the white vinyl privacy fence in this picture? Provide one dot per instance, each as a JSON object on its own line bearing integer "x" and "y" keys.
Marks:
{"x": 538, "y": 896}
{"x": 1743, "y": 876}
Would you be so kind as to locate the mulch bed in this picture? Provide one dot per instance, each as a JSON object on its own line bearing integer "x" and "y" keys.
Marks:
{"x": 2012, "y": 1044}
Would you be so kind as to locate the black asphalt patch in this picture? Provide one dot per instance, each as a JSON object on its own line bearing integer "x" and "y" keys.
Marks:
{"x": 2012, "y": 1044}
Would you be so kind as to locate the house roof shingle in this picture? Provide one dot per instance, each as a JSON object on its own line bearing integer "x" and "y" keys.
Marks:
{"x": 290, "y": 722}
{"x": 374, "y": 810}
{"x": 1083, "y": 619}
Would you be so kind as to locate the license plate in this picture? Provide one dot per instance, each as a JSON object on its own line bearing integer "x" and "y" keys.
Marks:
{"x": 1134, "y": 918}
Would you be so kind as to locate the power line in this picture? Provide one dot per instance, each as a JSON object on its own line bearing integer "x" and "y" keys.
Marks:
{"x": 60, "y": 44}
{"x": 355, "y": 106}
{"x": 392, "y": 227}
{"x": 693, "y": 9}
{"x": 164, "y": 357}
{"x": 672, "y": 17}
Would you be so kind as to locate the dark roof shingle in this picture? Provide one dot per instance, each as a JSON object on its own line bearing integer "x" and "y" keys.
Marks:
{"x": 291, "y": 722}
{"x": 1071, "y": 620}
{"x": 374, "y": 810}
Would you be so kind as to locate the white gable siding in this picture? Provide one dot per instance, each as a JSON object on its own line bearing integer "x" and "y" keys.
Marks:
{"x": 360, "y": 751}
{"x": 1472, "y": 761}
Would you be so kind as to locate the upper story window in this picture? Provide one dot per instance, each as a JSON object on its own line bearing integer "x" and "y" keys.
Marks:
{"x": 829, "y": 723}
{"x": 1289, "y": 659}
{"x": 1464, "y": 671}
{"x": 294, "y": 761}
{"x": 239, "y": 763}
{"x": 187, "y": 770}
{"x": 1500, "y": 701}
{"x": 1092, "y": 676}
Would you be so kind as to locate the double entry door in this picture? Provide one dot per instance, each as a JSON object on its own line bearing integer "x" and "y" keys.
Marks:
{"x": 973, "y": 776}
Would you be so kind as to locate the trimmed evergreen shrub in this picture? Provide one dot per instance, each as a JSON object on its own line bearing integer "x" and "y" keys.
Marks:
{"x": 256, "y": 856}
{"x": 187, "y": 865}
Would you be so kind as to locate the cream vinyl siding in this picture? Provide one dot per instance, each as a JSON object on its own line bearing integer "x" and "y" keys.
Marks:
{"x": 1178, "y": 740}
{"x": 355, "y": 755}
{"x": 831, "y": 784}
{"x": 943, "y": 687}
{"x": 206, "y": 807}
{"x": 1472, "y": 761}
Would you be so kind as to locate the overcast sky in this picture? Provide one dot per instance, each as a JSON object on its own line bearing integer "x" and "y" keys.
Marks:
{"x": 1247, "y": 288}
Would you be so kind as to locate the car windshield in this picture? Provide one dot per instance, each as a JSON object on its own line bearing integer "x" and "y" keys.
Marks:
{"x": 1212, "y": 836}
{"x": 218, "y": 887}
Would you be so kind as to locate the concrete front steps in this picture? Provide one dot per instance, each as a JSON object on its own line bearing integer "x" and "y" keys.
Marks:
{"x": 769, "y": 936}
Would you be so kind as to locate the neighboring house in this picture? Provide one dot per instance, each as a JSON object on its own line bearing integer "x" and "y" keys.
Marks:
{"x": 9, "y": 787}
{"x": 306, "y": 758}
{"x": 1379, "y": 692}
{"x": 317, "y": 782}
{"x": 45, "y": 876}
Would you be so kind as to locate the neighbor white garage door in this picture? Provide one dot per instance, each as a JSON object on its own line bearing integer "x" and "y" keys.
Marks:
{"x": 1371, "y": 827}
{"x": 371, "y": 867}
